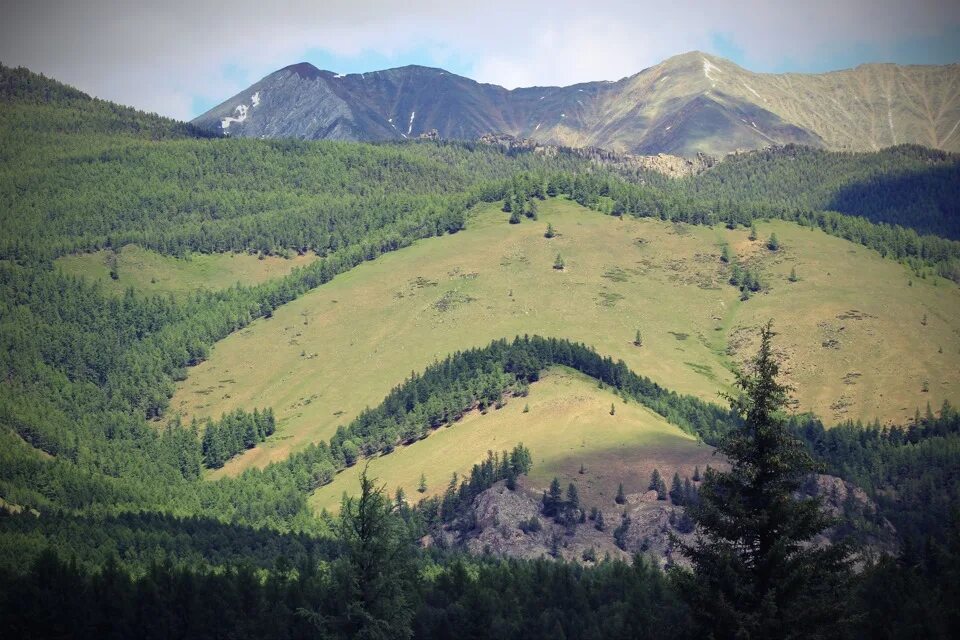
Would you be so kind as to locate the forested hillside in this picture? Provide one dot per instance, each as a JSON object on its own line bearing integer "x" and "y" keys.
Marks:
{"x": 107, "y": 522}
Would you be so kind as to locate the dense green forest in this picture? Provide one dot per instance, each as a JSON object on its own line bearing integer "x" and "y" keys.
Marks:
{"x": 104, "y": 511}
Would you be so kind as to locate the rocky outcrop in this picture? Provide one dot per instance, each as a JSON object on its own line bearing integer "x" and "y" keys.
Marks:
{"x": 672, "y": 166}
{"x": 510, "y": 523}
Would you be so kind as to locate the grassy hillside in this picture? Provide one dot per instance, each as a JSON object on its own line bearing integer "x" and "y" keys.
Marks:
{"x": 568, "y": 424}
{"x": 852, "y": 314}
{"x": 151, "y": 272}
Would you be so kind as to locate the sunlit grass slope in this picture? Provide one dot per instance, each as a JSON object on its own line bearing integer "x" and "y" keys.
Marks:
{"x": 568, "y": 424}
{"x": 851, "y": 327}
{"x": 151, "y": 272}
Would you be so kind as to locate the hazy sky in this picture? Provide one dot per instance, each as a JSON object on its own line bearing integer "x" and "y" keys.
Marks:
{"x": 180, "y": 57}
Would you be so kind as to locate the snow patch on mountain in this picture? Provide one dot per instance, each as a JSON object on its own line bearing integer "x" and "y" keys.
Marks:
{"x": 707, "y": 68}
{"x": 241, "y": 110}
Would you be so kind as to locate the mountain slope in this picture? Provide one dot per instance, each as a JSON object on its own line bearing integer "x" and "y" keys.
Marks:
{"x": 688, "y": 103}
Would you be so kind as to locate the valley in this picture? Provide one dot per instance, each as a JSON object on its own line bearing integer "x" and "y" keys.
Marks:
{"x": 850, "y": 315}
{"x": 265, "y": 387}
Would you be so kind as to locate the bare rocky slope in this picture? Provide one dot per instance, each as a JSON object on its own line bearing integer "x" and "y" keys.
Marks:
{"x": 690, "y": 103}
{"x": 498, "y": 522}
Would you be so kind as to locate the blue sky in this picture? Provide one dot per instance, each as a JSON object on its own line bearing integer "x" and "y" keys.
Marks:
{"x": 180, "y": 57}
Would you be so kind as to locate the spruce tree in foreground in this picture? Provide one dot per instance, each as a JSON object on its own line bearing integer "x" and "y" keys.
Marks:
{"x": 753, "y": 576}
{"x": 375, "y": 573}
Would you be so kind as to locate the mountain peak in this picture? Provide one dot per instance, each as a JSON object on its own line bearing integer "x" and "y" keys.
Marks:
{"x": 689, "y": 103}
{"x": 304, "y": 69}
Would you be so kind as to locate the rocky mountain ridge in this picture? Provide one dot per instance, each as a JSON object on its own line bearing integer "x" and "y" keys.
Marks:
{"x": 691, "y": 103}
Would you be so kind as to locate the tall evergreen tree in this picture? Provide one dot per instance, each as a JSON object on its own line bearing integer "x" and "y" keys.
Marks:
{"x": 655, "y": 480}
{"x": 753, "y": 575}
{"x": 676, "y": 490}
{"x": 374, "y": 574}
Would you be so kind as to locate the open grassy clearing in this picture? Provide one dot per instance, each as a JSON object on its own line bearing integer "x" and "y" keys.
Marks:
{"x": 151, "y": 272}
{"x": 568, "y": 424}
{"x": 325, "y": 356}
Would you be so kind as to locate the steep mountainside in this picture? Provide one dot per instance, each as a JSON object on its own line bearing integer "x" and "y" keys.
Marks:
{"x": 688, "y": 103}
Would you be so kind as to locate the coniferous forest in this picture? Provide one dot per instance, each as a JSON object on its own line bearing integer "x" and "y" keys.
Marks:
{"x": 111, "y": 527}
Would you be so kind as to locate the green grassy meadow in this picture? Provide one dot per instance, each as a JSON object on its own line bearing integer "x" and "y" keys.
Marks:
{"x": 568, "y": 425}
{"x": 850, "y": 329}
{"x": 150, "y": 272}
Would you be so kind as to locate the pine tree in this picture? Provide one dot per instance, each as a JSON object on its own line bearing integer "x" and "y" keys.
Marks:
{"x": 551, "y": 232}
{"x": 613, "y": 409}
{"x": 638, "y": 339}
{"x": 655, "y": 480}
{"x": 598, "y": 522}
{"x": 558, "y": 264}
{"x": 422, "y": 487}
{"x": 725, "y": 254}
{"x": 374, "y": 571}
{"x": 573, "y": 497}
{"x": 753, "y": 574}
{"x": 676, "y": 490}
{"x": 696, "y": 473}
{"x": 753, "y": 231}
{"x": 773, "y": 243}
{"x": 552, "y": 499}
{"x": 532, "y": 210}
{"x": 621, "y": 498}
{"x": 793, "y": 274}
{"x": 661, "y": 490}
{"x": 515, "y": 217}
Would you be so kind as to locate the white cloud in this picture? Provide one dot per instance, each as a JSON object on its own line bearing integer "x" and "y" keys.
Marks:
{"x": 158, "y": 56}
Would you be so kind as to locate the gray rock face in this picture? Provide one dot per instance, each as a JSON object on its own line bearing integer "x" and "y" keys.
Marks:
{"x": 687, "y": 104}
{"x": 500, "y": 515}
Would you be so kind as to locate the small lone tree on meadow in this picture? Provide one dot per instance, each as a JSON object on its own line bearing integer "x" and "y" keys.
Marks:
{"x": 613, "y": 409}
{"x": 753, "y": 231}
{"x": 558, "y": 264}
{"x": 773, "y": 243}
{"x": 754, "y": 574}
{"x": 551, "y": 232}
{"x": 725, "y": 254}
{"x": 638, "y": 339}
{"x": 515, "y": 217}
{"x": 422, "y": 487}
{"x": 620, "y": 499}
{"x": 793, "y": 274}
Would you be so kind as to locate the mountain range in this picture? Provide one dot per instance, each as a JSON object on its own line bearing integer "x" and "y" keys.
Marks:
{"x": 690, "y": 103}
